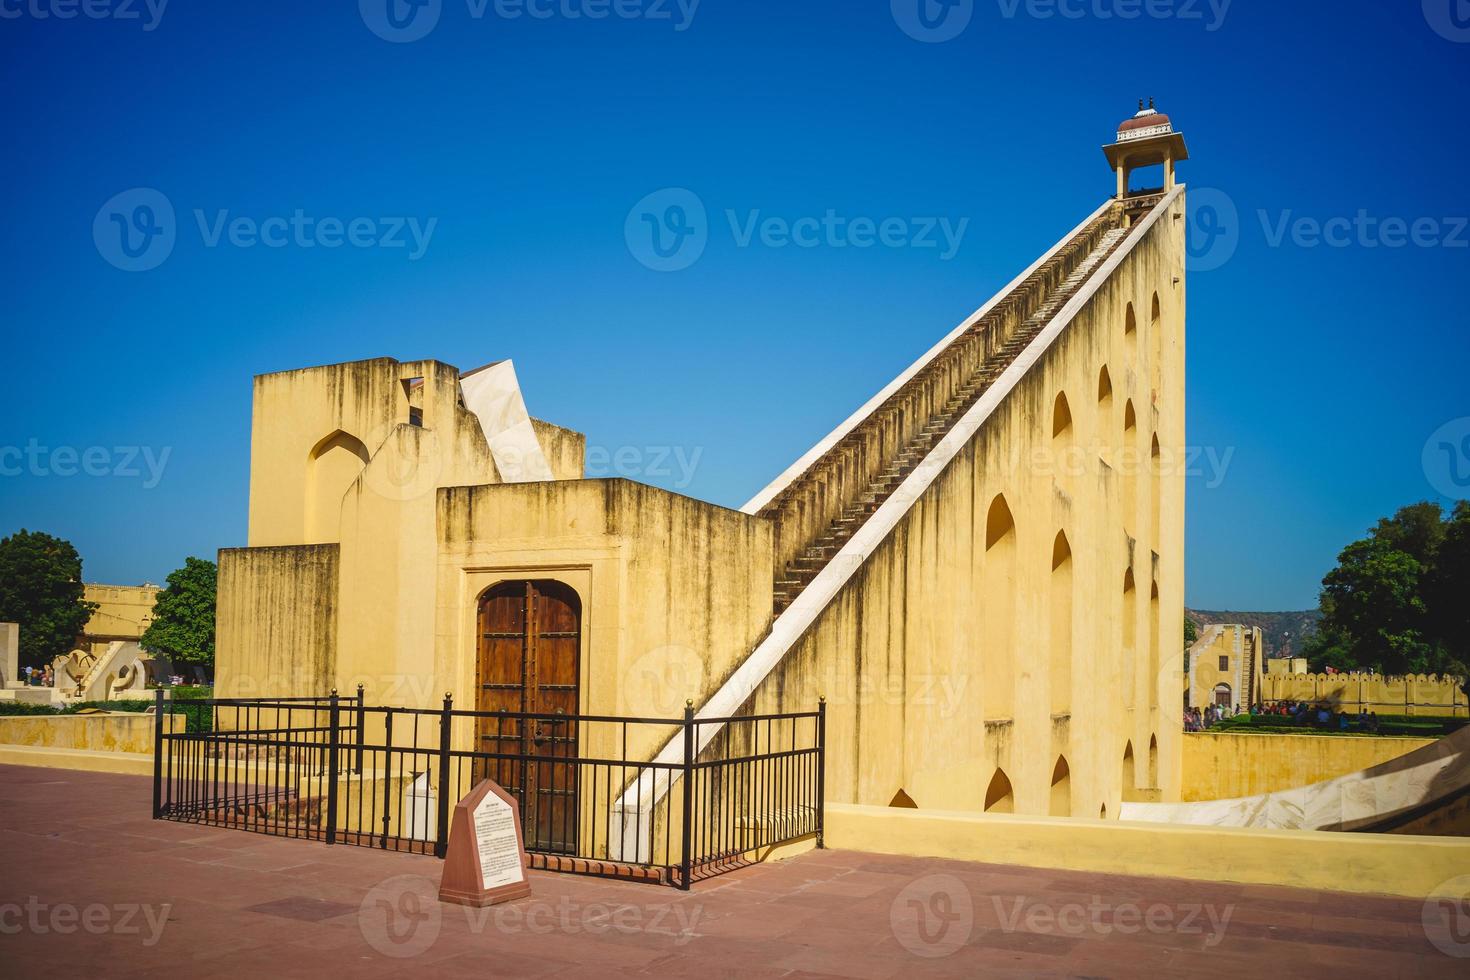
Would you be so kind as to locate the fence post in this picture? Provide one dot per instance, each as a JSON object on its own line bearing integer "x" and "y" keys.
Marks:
{"x": 441, "y": 836}
{"x": 157, "y": 753}
{"x": 686, "y": 859}
{"x": 361, "y": 730}
{"x": 822, "y": 772}
{"x": 333, "y": 767}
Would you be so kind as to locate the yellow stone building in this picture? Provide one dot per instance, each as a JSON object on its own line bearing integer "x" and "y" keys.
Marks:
{"x": 981, "y": 569}
{"x": 123, "y": 613}
{"x": 1225, "y": 667}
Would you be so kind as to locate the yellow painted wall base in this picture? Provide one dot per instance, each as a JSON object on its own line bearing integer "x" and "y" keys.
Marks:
{"x": 123, "y": 763}
{"x": 1361, "y": 863}
{"x": 1227, "y": 766}
{"x": 121, "y": 731}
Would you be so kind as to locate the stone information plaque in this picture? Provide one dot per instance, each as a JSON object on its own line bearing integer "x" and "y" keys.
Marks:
{"x": 486, "y": 860}
{"x": 498, "y": 842}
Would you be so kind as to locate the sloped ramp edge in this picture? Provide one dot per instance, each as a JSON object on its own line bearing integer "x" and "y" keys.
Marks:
{"x": 1384, "y": 797}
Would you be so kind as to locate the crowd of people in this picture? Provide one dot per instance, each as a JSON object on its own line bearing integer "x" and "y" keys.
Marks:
{"x": 37, "y": 676}
{"x": 1301, "y": 713}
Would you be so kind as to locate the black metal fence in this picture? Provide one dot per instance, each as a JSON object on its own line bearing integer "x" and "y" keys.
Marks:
{"x": 667, "y": 800}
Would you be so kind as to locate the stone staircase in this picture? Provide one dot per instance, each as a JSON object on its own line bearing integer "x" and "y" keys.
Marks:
{"x": 798, "y": 573}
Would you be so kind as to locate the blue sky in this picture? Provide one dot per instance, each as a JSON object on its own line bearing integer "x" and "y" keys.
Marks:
{"x": 517, "y": 146}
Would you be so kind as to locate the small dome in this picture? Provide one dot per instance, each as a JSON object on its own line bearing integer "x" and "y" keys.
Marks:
{"x": 1147, "y": 119}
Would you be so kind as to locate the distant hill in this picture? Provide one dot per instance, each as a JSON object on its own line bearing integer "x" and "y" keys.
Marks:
{"x": 1284, "y": 631}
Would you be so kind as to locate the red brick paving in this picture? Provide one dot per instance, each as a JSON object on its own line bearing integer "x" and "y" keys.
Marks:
{"x": 240, "y": 904}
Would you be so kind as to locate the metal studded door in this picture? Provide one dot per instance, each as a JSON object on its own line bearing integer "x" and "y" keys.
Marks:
{"x": 529, "y": 661}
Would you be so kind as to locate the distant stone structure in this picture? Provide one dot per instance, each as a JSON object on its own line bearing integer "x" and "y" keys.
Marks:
{"x": 1428, "y": 695}
{"x": 123, "y": 613}
{"x": 1225, "y": 667}
{"x": 1276, "y": 666}
{"x": 9, "y": 655}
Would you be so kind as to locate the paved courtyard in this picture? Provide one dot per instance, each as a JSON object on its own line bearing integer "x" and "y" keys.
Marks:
{"x": 89, "y": 885}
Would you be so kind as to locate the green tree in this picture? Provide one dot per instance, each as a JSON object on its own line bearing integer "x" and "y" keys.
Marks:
{"x": 41, "y": 589}
{"x": 1393, "y": 600}
{"x": 183, "y": 617}
{"x": 1191, "y": 632}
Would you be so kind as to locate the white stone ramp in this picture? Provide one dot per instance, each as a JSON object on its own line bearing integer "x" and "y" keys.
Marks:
{"x": 493, "y": 393}
{"x": 1379, "y": 798}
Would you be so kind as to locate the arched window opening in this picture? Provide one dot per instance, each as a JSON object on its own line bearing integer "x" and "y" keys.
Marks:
{"x": 1130, "y": 775}
{"x": 1155, "y": 652}
{"x": 1061, "y": 789}
{"x": 999, "y": 602}
{"x": 998, "y": 797}
{"x": 1062, "y": 601}
{"x": 1153, "y": 762}
{"x": 332, "y": 466}
{"x": 903, "y": 801}
{"x": 1223, "y": 696}
{"x": 1130, "y": 640}
{"x": 1061, "y": 418}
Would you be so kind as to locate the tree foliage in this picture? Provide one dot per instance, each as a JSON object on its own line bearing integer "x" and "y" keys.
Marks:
{"x": 183, "y": 617}
{"x": 41, "y": 589}
{"x": 1396, "y": 602}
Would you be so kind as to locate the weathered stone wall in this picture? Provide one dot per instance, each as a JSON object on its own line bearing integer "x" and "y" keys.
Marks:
{"x": 276, "y": 621}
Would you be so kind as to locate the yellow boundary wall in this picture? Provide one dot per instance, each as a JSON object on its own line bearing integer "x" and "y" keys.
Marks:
{"x": 120, "y": 731}
{"x": 1225, "y": 766}
{"x": 1360, "y": 863}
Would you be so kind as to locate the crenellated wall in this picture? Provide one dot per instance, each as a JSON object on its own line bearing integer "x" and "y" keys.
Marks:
{"x": 1415, "y": 694}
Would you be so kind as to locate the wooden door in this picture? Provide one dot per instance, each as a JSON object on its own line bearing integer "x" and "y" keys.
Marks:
{"x": 529, "y": 662}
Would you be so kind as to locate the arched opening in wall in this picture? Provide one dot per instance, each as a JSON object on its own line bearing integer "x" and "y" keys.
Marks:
{"x": 903, "y": 801}
{"x": 1061, "y": 420}
{"x": 1130, "y": 640}
{"x": 1155, "y": 651}
{"x": 999, "y": 601}
{"x": 998, "y": 797}
{"x": 1061, "y": 625}
{"x": 1223, "y": 695}
{"x": 1104, "y": 391}
{"x": 1130, "y": 775}
{"x": 1061, "y": 789}
{"x": 1156, "y": 348}
{"x": 331, "y": 467}
{"x": 1103, "y": 813}
{"x": 1129, "y": 461}
{"x": 1156, "y": 496}
{"x": 1130, "y": 333}
{"x": 1153, "y": 762}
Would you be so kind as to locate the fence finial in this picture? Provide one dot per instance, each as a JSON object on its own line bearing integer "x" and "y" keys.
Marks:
{"x": 688, "y": 702}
